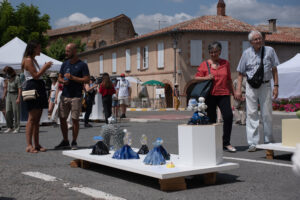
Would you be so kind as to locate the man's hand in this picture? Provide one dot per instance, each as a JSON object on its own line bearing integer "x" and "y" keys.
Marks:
{"x": 275, "y": 92}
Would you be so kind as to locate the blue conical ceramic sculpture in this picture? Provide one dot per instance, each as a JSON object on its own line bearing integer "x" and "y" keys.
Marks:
{"x": 158, "y": 155}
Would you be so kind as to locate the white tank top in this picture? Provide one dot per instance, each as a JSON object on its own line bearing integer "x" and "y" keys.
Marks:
{"x": 27, "y": 74}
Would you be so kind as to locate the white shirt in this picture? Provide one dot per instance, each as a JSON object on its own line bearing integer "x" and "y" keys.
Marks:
{"x": 123, "y": 87}
{"x": 27, "y": 74}
{"x": 1, "y": 87}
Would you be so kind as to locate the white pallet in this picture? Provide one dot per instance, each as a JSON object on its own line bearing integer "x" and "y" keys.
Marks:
{"x": 156, "y": 171}
{"x": 276, "y": 147}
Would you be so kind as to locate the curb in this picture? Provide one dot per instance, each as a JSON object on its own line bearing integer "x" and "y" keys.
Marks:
{"x": 151, "y": 109}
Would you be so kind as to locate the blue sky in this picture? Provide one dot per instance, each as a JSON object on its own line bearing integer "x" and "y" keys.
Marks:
{"x": 146, "y": 14}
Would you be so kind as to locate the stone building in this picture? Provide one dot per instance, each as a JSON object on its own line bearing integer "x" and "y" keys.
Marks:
{"x": 97, "y": 34}
{"x": 172, "y": 54}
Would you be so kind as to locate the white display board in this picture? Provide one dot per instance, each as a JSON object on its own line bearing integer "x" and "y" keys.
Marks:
{"x": 159, "y": 93}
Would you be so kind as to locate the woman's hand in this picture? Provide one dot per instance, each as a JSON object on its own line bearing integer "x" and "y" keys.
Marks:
{"x": 48, "y": 64}
{"x": 210, "y": 77}
{"x": 18, "y": 100}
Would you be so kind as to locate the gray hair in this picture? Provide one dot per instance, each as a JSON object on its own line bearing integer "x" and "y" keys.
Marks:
{"x": 252, "y": 33}
{"x": 214, "y": 45}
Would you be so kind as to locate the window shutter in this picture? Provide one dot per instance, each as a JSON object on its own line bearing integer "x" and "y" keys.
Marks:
{"x": 138, "y": 58}
{"x": 196, "y": 52}
{"x": 246, "y": 45}
{"x": 127, "y": 59}
{"x": 101, "y": 64}
{"x": 146, "y": 58}
{"x": 160, "y": 55}
{"x": 224, "y": 53}
{"x": 114, "y": 62}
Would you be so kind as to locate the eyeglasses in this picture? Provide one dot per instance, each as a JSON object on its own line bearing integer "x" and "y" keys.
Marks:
{"x": 257, "y": 39}
{"x": 214, "y": 52}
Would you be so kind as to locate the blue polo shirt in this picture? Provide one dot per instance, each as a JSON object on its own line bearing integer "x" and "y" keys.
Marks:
{"x": 79, "y": 69}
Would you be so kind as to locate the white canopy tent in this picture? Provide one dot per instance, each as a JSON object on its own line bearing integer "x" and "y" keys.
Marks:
{"x": 289, "y": 78}
{"x": 11, "y": 54}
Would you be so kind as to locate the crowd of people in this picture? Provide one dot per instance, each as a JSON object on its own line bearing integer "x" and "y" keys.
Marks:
{"x": 73, "y": 83}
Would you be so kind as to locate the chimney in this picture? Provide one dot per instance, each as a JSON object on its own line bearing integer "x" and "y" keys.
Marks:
{"x": 272, "y": 25}
{"x": 221, "y": 8}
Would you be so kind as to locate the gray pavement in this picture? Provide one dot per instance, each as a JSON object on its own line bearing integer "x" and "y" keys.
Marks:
{"x": 251, "y": 181}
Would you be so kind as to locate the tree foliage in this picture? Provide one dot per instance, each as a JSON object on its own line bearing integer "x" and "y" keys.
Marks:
{"x": 24, "y": 22}
{"x": 57, "y": 49}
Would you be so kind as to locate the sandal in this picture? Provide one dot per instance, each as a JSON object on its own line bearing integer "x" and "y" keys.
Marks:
{"x": 230, "y": 148}
{"x": 41, "y": 149}
{"x": 30, "y": 149}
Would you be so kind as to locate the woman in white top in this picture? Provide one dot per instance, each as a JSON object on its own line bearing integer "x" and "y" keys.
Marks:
{"x": 33, "y": 74}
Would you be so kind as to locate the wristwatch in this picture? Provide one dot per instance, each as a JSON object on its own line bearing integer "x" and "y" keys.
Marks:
{"x": 276, "y": 85}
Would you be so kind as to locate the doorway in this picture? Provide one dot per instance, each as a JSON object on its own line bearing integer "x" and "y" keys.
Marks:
{"x": 169, "y": 95}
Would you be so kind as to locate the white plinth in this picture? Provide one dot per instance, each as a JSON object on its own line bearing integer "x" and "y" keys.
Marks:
{"x": 200, "y": 145}
{"x": 155, "y": 171}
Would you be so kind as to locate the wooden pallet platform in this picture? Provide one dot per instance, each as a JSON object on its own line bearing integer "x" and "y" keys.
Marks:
{"x": 170, "y": 179}
{"x": 270, "y": 148}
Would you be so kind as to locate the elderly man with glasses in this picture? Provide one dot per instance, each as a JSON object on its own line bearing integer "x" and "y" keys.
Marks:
{"x": 261, "y": 96}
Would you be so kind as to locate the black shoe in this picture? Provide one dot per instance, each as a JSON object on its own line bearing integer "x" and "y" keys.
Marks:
{"x": 63, "y": 145}
{"x": 74, "y": 145}
{"x": 123, "y": 116}
{"x": 88, "y": 125}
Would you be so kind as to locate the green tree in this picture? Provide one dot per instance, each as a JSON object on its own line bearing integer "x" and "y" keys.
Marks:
{"x": 57, "y": 49}
{"x": 25, "y": 22}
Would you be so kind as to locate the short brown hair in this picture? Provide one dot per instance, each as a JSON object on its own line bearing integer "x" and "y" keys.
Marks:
{"x": 10, "y": 71}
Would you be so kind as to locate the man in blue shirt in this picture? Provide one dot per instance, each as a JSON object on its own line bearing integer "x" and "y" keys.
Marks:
{"x": 249, "y": 63}
{"x": 73, "y": 74}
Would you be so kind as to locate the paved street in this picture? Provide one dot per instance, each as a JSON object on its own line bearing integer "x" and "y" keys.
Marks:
{"x": 253, "y": 180}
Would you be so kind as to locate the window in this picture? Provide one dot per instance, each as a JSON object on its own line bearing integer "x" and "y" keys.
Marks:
{"x": 138, "y": 58}
{"x": 160, "y": 55}
{"x": 145, "y": 57}
{"x": 246, "y": 45}
{"x": 101, "y": 64}
{"x": 102, "y": 43}
{"x": 196, "y": 52}
{"x": 224, "y": 53}
{"x": 127, "y": 52}
{"x": 114, "y": 62}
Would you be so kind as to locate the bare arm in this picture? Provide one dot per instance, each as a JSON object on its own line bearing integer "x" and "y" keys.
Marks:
{"x": 5, "y": 90}
{"x": 29, "y": 66}
{"x": 275, "y": 77}
{"x": 84, "y": 79}
{"x": 238, "y": 92}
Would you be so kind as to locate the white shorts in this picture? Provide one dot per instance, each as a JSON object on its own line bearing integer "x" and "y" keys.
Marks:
{"x": 124, "y": 100}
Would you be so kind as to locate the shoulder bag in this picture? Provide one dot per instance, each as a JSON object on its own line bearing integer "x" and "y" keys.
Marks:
{"x": 202, "y": 89}
{"x": 258, "y": 77}
{"x": 29, "y": 95}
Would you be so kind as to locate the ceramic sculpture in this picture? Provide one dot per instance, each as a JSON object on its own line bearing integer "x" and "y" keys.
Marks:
{"x": 144, "y": 148}
{"x": 199, "y": 116}
{"x": 126, "y": 151}
{"x": 158, "y": 155}
{"x": 100, "y": 148}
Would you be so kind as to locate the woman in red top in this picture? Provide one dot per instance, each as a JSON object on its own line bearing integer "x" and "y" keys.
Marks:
{"x": 107, "y": 90}
{"x": 220, "y": 91}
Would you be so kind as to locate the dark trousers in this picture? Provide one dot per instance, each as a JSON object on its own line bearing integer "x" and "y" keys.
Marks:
{"x": 88, "y": 111}
{"x": 107, "y": 104}
{"x": 223, "y": 102}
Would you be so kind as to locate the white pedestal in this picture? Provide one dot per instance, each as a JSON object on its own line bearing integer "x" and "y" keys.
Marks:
{"x": 200, "y": 145}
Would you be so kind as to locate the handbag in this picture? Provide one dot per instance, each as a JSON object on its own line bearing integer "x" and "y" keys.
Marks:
{"x": 203, "y": 88}
{"x": 29, "y": 95}
{"x": 258, "y": 77}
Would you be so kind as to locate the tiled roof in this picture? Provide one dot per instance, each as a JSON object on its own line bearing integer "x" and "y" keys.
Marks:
{"x": 200, "y": 24}
{"x": 81, "y": 27}
{"x": 283, "y": 34}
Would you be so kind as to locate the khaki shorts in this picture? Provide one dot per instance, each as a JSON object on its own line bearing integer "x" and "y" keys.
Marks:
{"x": 124, "y": 100}
{"x": 69, "y": 104}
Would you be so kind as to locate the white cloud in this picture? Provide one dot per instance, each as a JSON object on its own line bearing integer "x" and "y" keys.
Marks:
{"x": 74, "y": 19}
{"x": 254, "y": 12}
{"x": 147, "y": 23}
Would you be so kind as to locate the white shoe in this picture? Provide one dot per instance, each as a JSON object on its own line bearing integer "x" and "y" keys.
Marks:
{"x": 8, "y": 130}
{"x": 16, "y": 131}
